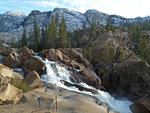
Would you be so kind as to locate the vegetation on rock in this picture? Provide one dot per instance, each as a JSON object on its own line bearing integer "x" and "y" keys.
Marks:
{"x": 21, "y": 85}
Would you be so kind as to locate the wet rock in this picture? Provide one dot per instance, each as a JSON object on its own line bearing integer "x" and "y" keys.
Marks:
{"x": 97, "y": 101}
{"x": 87, "y": 76}
{"x": 80, "y": 87}
{"x": 2, "y": 59}
{"x": 114, "y": 112}
{"x": 142, "y": 105}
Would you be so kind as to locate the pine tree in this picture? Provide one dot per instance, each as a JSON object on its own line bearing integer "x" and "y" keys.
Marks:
{"x": 43, "y": 40}
{"x": 98, "y": 24}
{"x": 114, "y": 28}
{"x": 31, "y": 39}
{"x": 52, "y": 33}
{"x": 24, "y": 38}
{"x": 89, "y": 53}
{"x": 63, "y": 33}
{"x": 69, "y": 42}
{"x": 46, "y": 31}
{"x": 143, "y": 47}
{"x": 36, "y": 36}
{"x": 57, "y": 20}
{"x": 47, "y": 38}
{"x": 108, "y": 26}
{"x": 93, "y": 30}
{"x": 57, "y": 40}
{"x": 53, "y": 28}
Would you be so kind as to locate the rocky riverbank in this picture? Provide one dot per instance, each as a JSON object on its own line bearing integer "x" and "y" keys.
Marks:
{"x": 128, "y": 76}
{"x": 54, "y": 99}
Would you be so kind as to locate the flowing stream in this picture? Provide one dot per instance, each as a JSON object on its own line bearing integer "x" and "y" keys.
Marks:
{"x": 56, "y": 73}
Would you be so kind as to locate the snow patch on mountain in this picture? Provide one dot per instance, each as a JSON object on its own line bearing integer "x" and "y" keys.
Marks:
{"x": 73, "y": 19}
{"x": 14, "y": 22}
{"x": 95, "y": 15}
{"x": 15, "y": 13}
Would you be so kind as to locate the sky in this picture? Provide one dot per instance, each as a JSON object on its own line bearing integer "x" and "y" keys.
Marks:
{"x": 125, "y": 8}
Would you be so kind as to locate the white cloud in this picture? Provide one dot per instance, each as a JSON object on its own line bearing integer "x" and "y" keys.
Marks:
{"x": 126, "y": 8}
{"x": 43, "y": 3}
{"x": 4, "y": 8}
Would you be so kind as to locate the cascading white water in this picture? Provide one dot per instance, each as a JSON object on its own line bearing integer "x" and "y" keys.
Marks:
{"x": 56, "y": 73}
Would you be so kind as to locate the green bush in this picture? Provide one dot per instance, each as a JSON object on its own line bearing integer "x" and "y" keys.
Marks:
{"x": 21, "y": 85}
{"x": 143, "y": 62}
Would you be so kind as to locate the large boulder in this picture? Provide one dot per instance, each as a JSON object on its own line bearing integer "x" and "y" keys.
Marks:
{"x": 53, "y": 54}
{"x": 26, "y": 50}
{"x": 10, "y": 94}
{"x": 106, "y": 52}
{"x": 7, "y": 74}
{"x": 76, "y": 55}
{"x": 142, "y": 105}
{"x": 17, "y": 57}
{"x": 71, "y": 57}
{"x": 87, "y": 76}
{"x": 130, "y": 77}
{"x": 17, "y": 76}
{"x": 13, "y": 60}
{"x": 6, "y": 52}
{"x": 33, "y": 79}
{"x": 122, "y": 53}
{"x": 32, "y": 63}
{"x": 36, "y": 64}
{"x": 25, "y": 58}
{"x": 73, "y": 64}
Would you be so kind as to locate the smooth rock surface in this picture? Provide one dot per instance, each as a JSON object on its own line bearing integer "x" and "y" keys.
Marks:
{"x": 33, "y": 79}
{"x": 10, "y": 94}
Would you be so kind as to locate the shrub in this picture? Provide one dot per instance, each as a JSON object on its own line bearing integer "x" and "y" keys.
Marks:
{"x": 143, "y": 63}
{"x": 21, "y": 85}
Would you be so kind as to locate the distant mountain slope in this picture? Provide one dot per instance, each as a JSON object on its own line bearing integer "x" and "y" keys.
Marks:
{"x": 11, "y": 21}
{"x": 16, "y": 21}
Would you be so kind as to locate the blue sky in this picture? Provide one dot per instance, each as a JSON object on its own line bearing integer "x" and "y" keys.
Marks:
{"x": 126, "y": 8}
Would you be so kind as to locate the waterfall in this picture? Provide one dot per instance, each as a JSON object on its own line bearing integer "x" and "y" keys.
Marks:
{"x": 57, "y": 72}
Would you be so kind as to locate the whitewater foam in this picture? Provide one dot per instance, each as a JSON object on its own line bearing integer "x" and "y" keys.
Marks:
{"x": 56, "y": 73}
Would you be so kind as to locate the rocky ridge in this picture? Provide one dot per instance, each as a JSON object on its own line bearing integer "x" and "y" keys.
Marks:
{"x": 12, "y": 23}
